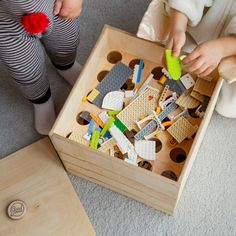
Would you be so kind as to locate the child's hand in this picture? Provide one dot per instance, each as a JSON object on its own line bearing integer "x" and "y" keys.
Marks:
{"x": 68, "y": 9}
{"x": 204, "y": 59}
{"x": 176, "y": 41}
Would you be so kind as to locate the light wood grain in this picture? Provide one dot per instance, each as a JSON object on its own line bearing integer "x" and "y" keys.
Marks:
{"x": 85, "y": 159}
{"x": 36, "y": 176}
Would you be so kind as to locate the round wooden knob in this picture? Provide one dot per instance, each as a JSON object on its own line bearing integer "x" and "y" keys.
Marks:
{"x": 16, "y": 210}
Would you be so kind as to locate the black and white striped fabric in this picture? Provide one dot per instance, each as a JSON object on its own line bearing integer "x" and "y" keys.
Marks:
{"x": 23, "y": 54}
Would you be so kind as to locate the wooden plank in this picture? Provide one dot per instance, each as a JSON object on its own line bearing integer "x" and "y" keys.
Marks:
{"x": 115, "y": 165}
{"x": 124, "y": 190}
{"x": 155, "y": 193}
{"x": 36, "y": 176}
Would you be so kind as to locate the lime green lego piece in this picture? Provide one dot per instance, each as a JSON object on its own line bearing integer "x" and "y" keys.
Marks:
{"x": 107, "y": 126}
{"x": 173, "y": 65}
{"x": 113, "y": 113}
{"x": 120, "y": 125}
{"x": 94, "y": 139}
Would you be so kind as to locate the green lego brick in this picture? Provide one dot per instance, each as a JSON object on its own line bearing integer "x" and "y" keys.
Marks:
{"x": 120, "y": 125}
{"x": 113, "y": 113}
{"x": 107, "y": 126}
{"x": 173, "y": 65}
{"x": 95, "y": 138}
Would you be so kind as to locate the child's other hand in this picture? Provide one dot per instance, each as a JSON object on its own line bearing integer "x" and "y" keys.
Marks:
{"x": 176, "y": 41}
{"x": 204, "y": 59}
{"x": 68, "y": 9}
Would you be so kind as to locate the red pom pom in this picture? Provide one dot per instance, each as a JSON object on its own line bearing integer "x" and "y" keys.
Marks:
{"x": 35, "y": 23}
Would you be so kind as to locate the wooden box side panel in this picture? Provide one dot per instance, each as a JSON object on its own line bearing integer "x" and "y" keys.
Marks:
{"x": 119, "y": 183}
{"x": 117, "y": 166}
{"x": 199, "y": 137}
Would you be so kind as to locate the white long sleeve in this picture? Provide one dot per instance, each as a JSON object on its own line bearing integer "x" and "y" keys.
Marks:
{"x": 193, "y": 9}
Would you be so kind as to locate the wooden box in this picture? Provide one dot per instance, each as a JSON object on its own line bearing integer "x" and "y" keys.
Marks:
{"x": 149, "y": 187}
{"x": 36, "y": 177}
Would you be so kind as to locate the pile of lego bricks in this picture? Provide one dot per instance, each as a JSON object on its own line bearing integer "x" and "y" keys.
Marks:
{"x": 130, "y": 120}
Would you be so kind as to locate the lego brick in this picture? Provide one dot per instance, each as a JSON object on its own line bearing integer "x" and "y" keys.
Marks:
{"x": 175, "y": 86}
{"x": 106, "y": 146}
{"x": 143, "y": 87}
{"x": 173, "y": 65}
{"x": 122, "y": 142}
{"x": 197, "y": 96}
{"x": 140, "y": 69}
{"x": 120, "y": 125}
{"x": 187, "y": 81}
{"x": 113, "y": 81}
{"x": 113, "y": 100}
{"x": 164, "y": 94}
{"x": 103, "y": 116}
{"x": 146, "y": 149}
{"x": 95, "y": 138}
{"x": 113, "y": 113}
{"x": 165, "y": 103}
{"x": 182, "y": 129}
{"x": 204, "y": 87}
{"x": 97, "y": 120}
{"x": 135, "y": 73}
{"x": 86, "y": 116}
{"x": 187, "y": 102}
{"x": 166, "y": 73}
{"x": 141, "y": 106}
{"x": 91, "y": 126}
{"x": 93, "y": 95}
{"x": 78, "y": 137}
{"x": 107, "y": 125}
{"x": 129, "y": 94}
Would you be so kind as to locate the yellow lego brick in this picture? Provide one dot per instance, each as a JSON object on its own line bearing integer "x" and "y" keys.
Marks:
{"x": 93, "y": 95}
{"x": 162, "y": 80}
{"x": 84, "y": 99}
{"x": 97, "y": 120}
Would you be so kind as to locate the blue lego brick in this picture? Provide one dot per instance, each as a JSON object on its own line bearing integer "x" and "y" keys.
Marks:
{"x": 113, "y": 81}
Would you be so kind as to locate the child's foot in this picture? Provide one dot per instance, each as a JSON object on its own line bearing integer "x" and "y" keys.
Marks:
{"x": 226, "y": 104}
{"x": 71, "y": 75}
{"x": 44, "y": 116}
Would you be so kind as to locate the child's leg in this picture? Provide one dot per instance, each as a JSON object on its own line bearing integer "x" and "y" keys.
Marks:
{"x": 24, "y": 59}
{"x": 61, "y": 46}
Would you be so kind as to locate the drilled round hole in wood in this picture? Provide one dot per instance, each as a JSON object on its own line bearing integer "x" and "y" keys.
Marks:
{"x": 130, "y": 135}
{"x": 169, "y": 174}
{"x": 134, "y": 62}
{"x": 158, "y": 144}
{"x": 157, "y": 73}
{"x": 192, "y": 113}
{"x": 68, "y": 135}
{"x": 145, "y": 165}
{"x": 129, "y": 85}
{"x": 102, "y": 75}
{"x": 114, "y": 57}
{"x": 178, "y": 155}
{"x": 81, "y": 120}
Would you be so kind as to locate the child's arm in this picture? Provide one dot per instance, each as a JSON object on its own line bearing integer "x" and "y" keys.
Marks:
{"x": 178, "y": 26}
{"x": 207, "y": 56}
{"x": 68, "y": 9}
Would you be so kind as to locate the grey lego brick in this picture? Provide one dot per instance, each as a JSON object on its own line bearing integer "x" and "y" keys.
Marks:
{"x": 154, "y": 123}
{"x": 175, "y": 86}
{"x": 113, "y": 81}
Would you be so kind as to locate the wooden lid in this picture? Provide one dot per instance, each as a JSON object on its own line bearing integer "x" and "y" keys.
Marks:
{"x": 35, "y": 189}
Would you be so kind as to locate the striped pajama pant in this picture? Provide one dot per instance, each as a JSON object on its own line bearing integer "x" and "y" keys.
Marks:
{"x": 24, "y": 54}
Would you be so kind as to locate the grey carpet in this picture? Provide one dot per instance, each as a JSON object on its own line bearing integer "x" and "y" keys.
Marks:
{"x": 208, "y": 203}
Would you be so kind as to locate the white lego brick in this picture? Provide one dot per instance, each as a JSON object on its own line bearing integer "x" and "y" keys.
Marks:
{"x": 103, "y": 116}
{"x": 146, "y": 149}
{"x": 114, "y": 100}
{"x": 129, "y": 93}
{"x": 187, "y": 81}
{"x": 87, "y": 137}
{"x": 135, "y": 74}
